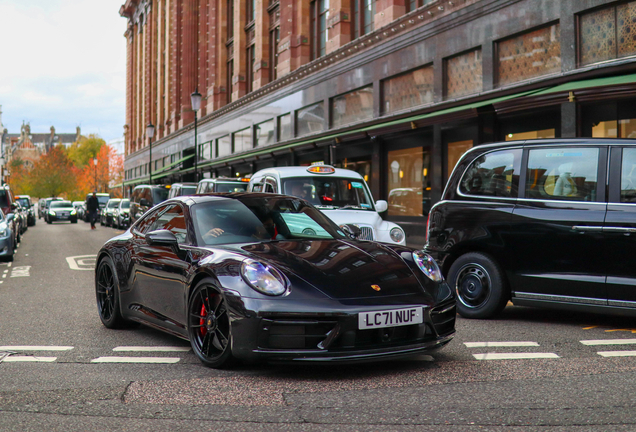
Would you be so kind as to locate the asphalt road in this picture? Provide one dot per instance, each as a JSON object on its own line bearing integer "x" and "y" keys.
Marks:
{"x": 61, "y": 373}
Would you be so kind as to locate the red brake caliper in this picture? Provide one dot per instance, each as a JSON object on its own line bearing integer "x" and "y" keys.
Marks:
{"x": 204, "y": 330}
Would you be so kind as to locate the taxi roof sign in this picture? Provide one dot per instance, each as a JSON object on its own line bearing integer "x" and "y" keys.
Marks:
{"x": 321, "y": 169}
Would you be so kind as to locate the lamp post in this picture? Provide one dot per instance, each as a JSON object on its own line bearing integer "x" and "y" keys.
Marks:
{"x": 95, "y": 163}
{"x": 195, "y": 98}
{"x": 150, "y": 132}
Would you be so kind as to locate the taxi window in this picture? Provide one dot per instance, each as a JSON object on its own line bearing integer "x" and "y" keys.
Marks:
{"x": 566, "y": 173}
{"x": 628, "y": 176}
{"x": 493, "y": 174}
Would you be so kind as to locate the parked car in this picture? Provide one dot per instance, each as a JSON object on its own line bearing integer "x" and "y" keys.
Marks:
{"x": 222, "y": 184}
{"x": 307, "y": 297}
{"x": 545, "y": 223}
{"x": 179, "y": 189}
{"x": 144, "y": 197}
{"x": 61, "y": 211}
{"x": 22, "y": 216}
{"x": 106, "y": 215}
{"x": 341, "y": 194}
{"x": 7, "y": 238}
{"x": 47, "y": 204}
{"x": 102, "y": 198}
{"x": 80, "y": 206}
{"x": 25, "y": 201}
{"x": 7, "y": 205}
{"x": 121, "y": 216}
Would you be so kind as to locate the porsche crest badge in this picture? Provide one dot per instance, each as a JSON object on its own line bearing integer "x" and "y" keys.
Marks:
{"x": 376, "y": 287}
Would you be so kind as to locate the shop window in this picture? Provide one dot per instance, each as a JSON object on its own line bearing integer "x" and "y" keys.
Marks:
{"x": 243, "y": 140}
{"x": 264, "y": 133}
{"x": 562, "y": 174}
{"x": 463, "y": 74}
{"x": 493, "y": 174}
{"x": 351, "y": 107}
{"x": 224, "y": 146}
{"x": 455, "y": 151}
{"x": 529, "y": 55}
{"x": 205, "y": 150}
{"x": 284, "y": 127}
{"x": 409, "y": 182}
{"x": 609, "y": 120}
{"x": 310, "y": 119}
{"x": 408, "y": 90}
{"x": 537, "y": 134}
{"x": 607, "y": 33}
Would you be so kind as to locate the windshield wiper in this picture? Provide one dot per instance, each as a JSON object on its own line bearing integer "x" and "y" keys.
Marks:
{"x": 351, "y": 206}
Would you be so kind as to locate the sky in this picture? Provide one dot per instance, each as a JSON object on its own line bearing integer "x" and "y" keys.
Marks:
{"x": 63, "y": 64}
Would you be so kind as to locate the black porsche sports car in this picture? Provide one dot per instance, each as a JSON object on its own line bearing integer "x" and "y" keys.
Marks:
{"x": 263, "y": 277}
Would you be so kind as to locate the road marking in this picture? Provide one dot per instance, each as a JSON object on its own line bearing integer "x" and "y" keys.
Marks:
{"x": 499, "y": 344}
{"x": 13, "y": 359}
{"x": 21, "y": 271}
{"x": 35, "y": 348}
{"x": 609, "y": 342}
{"x": 617, "y": 353}
{"x": 136, "y": 360}
{"x": 82, "y": 262}
{"x": 152, "y": 349}
{"x": 514, "y": 356}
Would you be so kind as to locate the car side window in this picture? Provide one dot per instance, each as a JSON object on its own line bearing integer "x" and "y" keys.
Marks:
{"x": 493, "y": 174}
{"x": 173, "y": 220}
{"x": 270, "y": 185}
{"x": 148, "y": 220}
{"x": 628, "y": 176}
{"x": 566, "y": 173}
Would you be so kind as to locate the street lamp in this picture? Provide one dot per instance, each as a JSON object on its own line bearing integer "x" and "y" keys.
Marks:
{"x": 95, "y": 163}
{"x": 195, "y": 98}
{"x": 150, "y": 132}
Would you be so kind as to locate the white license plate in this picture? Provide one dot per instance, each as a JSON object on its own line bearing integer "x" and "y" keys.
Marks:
{"x": 390, "y": 318}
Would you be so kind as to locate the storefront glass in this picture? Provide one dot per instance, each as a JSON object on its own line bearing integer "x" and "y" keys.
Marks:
{"x": 455, "y": 151}
{"x": 409, "y": 182}
{"x": 352, "y": 107}
{"x": 408, "y": 90}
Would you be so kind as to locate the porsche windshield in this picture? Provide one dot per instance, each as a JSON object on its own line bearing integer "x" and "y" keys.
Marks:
{"x": 330, "y": 192}
{"x": 251, "y": 219}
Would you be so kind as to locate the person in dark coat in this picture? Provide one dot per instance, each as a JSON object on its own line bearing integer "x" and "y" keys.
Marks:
{"x": 92, "y": 205}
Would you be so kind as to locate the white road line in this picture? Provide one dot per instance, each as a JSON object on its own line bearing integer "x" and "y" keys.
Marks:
{"x": 82, "y": 262}
{"x": 35, "y": 348}
{"x": 514, "y": 356}
{"x": 152, "y": 349}
{"x": 499, "y": 344}
{"x": 609, "y": 342}
{"x": 12, "y": 359}
{"x": 136, "y": 360}
{"x": 617, "y": 353}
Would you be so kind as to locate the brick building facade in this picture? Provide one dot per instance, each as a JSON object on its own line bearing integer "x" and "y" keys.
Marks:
{"x": 395, "y": 89}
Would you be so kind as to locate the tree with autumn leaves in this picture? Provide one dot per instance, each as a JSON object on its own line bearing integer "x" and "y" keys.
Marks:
{"x": 70, "y": 172}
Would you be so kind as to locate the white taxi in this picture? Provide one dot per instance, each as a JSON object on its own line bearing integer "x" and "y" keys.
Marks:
{"x": 341, "y": 194}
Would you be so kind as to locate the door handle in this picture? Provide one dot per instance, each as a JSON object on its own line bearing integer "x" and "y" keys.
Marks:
{"x": 620, "y": 229}
{"x": 587, "y": 228}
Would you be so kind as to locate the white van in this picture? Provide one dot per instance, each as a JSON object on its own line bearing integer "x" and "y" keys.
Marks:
{"x": 341, "y": 194}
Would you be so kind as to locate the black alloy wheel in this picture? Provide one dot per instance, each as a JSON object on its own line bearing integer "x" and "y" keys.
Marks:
{"x": 107, "y": 293}
{"x": 480, "y": 286}
{"x": 209, "y": 327}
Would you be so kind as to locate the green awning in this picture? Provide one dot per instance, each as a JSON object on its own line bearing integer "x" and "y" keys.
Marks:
{"x": 590, "y": 83}
{"x": 370, "y": 128}
{"x": 158, "y": 174}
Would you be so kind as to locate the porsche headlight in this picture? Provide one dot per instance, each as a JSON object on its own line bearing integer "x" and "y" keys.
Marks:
{"x": 427, "y": 264}
{"x": 52, "y": 213}
{"x": 397, "y": 235}
{"x": 263, "y": 278}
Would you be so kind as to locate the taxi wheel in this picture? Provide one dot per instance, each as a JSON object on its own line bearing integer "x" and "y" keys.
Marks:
{"x": 209, "y": 327}
{"x": 480, "y": 286}
{"x": 107, "y": 293}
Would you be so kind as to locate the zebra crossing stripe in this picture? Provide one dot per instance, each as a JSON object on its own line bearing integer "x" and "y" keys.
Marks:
{"x": 608, "y": 342}
{"x": 617, "y": 353}
{"x": 151, "y": 349}
{"x": 514, "y": 356}
{"x": 14, "y": 359}
{"x": 136, "y": 360}
{"x": 499, "y": 344}
{"x": 34, "y": 348}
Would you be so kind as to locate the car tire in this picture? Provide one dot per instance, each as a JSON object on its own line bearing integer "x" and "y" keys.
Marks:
{"x": 209, "y": 326}
{"x": 480, "y": 284}
{"x": 107, "y": 294}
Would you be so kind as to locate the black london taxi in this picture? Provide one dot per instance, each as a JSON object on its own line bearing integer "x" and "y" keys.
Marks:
{"x": 544, "y": 223}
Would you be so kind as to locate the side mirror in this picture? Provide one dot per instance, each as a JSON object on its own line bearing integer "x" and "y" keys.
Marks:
{"x": 161, "y": 238}
{"x": 381, "y": 206}
{"x": 13, "y": 206}
{"x": 10, "y": 217}
{"x": 351, "y": 230}
{"x": 143, "y": 202}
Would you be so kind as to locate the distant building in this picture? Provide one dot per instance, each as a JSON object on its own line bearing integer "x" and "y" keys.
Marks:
{"x": 118, "y": 145}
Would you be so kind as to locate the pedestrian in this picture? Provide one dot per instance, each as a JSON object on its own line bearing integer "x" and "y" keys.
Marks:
{"x": 92, "y": 205}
